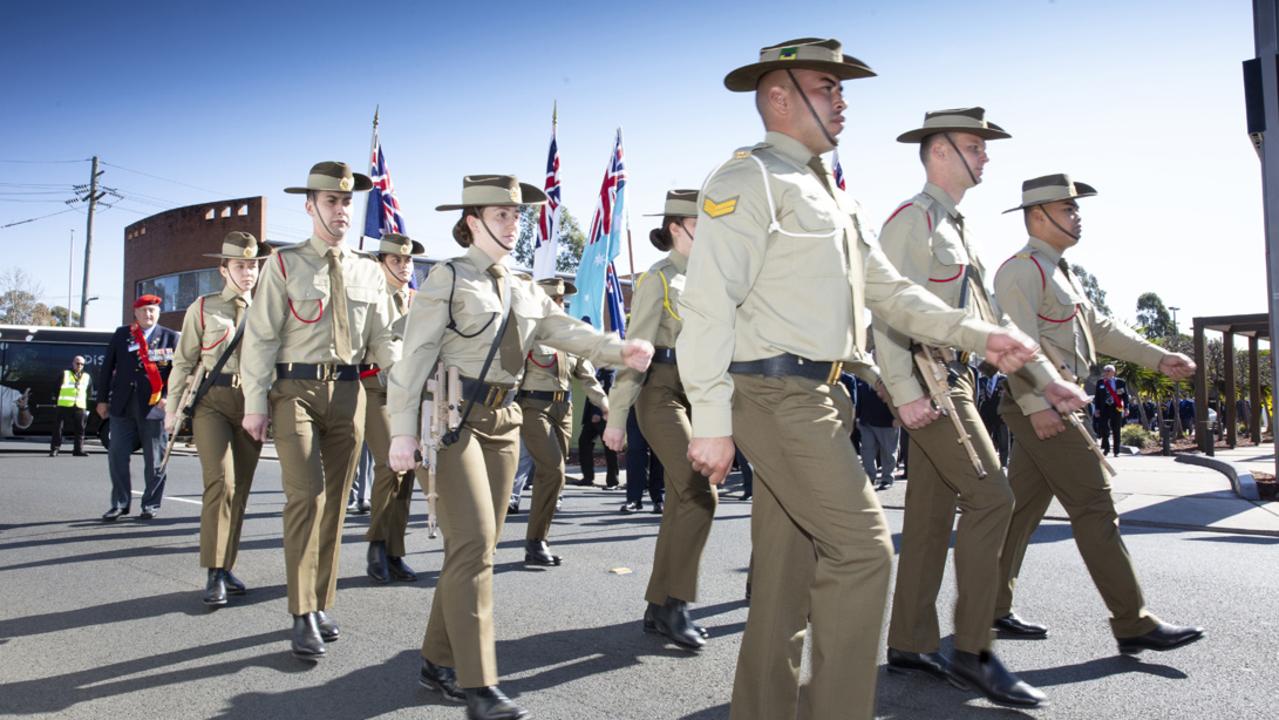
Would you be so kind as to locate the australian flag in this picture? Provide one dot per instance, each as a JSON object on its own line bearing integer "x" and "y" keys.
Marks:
{"x": 546, "y": 247}
{"x": 596, "y": 277}
{"x": 838, "y": 170}
{"x": 382, "y": 214}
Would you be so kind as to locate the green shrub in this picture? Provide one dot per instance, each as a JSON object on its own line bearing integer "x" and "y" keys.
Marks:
{"x": 1137, "y": 436}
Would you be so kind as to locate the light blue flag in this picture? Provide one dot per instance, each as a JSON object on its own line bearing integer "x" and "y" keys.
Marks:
{"x": 602, "y": 245}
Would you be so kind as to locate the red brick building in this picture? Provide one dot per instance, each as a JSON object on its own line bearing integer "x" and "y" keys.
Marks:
{"x": 164, "y": 253}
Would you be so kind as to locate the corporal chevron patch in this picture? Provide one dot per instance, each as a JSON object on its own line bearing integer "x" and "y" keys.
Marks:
{"x": 719, "y": 209}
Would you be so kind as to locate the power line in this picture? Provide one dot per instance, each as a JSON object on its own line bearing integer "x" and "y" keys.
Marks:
{"x": 30, "y": 220}
{"x": 44, "y": 162}
{"x": 179, "y": 182}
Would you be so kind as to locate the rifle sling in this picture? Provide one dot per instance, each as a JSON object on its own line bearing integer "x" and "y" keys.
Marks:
{"x": 452, "y": 436}
{"x": 213, "y": 373}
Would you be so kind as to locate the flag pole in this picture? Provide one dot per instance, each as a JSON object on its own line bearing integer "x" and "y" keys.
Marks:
{"x": 368, "y": 197}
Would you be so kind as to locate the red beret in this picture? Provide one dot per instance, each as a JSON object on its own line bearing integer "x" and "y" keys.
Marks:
{"x": 146, "y": 300}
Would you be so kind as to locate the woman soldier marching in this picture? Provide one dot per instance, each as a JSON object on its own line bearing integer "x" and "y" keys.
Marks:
{"x": 663, "y": 414}
{"x": 228, "y": 455}
{"x": 459, "y": 318}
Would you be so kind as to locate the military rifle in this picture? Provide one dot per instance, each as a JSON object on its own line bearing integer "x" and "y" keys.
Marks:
{"x": 938, "y": 378}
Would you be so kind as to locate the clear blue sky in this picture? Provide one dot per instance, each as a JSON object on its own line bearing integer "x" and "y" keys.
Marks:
{"x": 1142, "y": 99}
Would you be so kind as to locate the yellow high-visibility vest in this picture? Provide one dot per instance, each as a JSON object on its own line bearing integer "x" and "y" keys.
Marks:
{"x": 73, "y": 393}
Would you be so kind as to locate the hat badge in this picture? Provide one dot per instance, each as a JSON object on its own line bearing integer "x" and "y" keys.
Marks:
{"x": 406, "y": 249}
{"x": 249, "y": 251}
{"x": 345, "y": 184}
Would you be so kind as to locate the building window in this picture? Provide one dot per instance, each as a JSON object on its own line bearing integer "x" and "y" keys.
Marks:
{"x": 179, "y": 290}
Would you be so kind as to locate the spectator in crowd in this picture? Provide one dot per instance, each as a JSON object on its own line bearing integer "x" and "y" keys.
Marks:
{"x": 15, "y": 410}
{"x": 73, "y": 407}
{"x": 593, "y": 430}
{"x": 879, "y": 435}
{"x": 1109, "y": 403}
{"x": 643, "y": 469}
{"x": 131, "y": 388}
{"x": 990, "y": 390}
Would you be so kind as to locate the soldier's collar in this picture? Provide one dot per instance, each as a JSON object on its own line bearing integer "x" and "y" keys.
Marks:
{"x": 679, "y": 261}
{"x": 788, "y": 147}
{"x": 1047, "y": 250}
{"x": 229, "y": 293}
{"x": 321, "y": 248}
{"x": 479, "y": 258}
{"x": 942, "y": 197}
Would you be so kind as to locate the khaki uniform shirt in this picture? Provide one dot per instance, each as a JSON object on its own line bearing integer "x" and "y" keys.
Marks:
{"x": 476, "y": 308}
{"x": 207, "y": 328}
{"x": 291, "y": 321}
{"x": 782, "y": 265}
{"x": 1050, "y": 306}
{"x": 549, "y": 370}
{"x": 926, "y": 241}
{"x": 654, "y": 317}
{"x": 397, "y": 311}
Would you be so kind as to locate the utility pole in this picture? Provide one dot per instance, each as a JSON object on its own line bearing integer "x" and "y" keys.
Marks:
{"x": 93, "y": 197}
{"x": 70, "y": 272}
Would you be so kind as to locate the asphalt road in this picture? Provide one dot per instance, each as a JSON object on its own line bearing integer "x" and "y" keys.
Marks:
{"x": 105, "y": 621}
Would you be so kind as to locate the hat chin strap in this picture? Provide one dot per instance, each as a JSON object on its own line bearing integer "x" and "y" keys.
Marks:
{"x": 1057, "y": 225}
{"x": 962, "y": 159}
{"x": 820, "y": 125}
{"x": 480, "y": 216}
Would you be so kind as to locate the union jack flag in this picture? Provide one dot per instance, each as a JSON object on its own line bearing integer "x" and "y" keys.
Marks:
{"x": 383, "y": 215}
{"x": 838, "y": 170}
{"x": 596, "y": 277}
{"x": 546, "y": 243}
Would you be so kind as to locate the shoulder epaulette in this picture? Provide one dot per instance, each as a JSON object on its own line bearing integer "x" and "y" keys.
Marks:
{"x": 912, "y": 203}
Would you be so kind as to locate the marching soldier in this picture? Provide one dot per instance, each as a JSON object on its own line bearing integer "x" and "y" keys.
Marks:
{"x": 663, "y": 414}
{"x": 320, "y": 310}
{"x": 228, "y": 455}
{"x": 473, "y": 315}
{"x": 392, "y": 491}
{"x": 548, "y": 416}
{"x": 1038, "y": 290}
{"x": 926, "y": 240}
{"x": 777, "y": 283}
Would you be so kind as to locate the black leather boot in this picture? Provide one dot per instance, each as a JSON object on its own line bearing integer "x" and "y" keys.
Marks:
{"x": 442, "y": 680}
{"x": 307, "y": 644}
{"x": 1163, "y": 637}
{"x": 986, "y": 674}
{"x": 489, "y": 703}
{"x": 650, "y": 624}
{"x": 400, "y": 570}
{"x": 934, "y": 664}
{"x": 215, "y": 588}
{"x": 537, "y": 552}
{"x": 378, "y": 570}
{"x": 1012, "y": 626}
{"x": 233, "y": 584}
{"x": 327, "y": 626}
{"x": 672, "y": 620}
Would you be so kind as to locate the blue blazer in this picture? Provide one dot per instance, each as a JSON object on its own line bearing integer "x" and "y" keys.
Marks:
{"x": 123, "y": 380}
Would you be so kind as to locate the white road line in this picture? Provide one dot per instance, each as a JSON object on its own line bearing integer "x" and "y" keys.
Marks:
{"x": 174, "y": 499}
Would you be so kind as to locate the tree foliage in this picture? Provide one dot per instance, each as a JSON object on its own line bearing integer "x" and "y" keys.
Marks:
{"x": 19, "y": 299}
{"x": 1092, "y": 289}
{"x": 1153, "y": 316}
{"x": 571, "y": 240}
